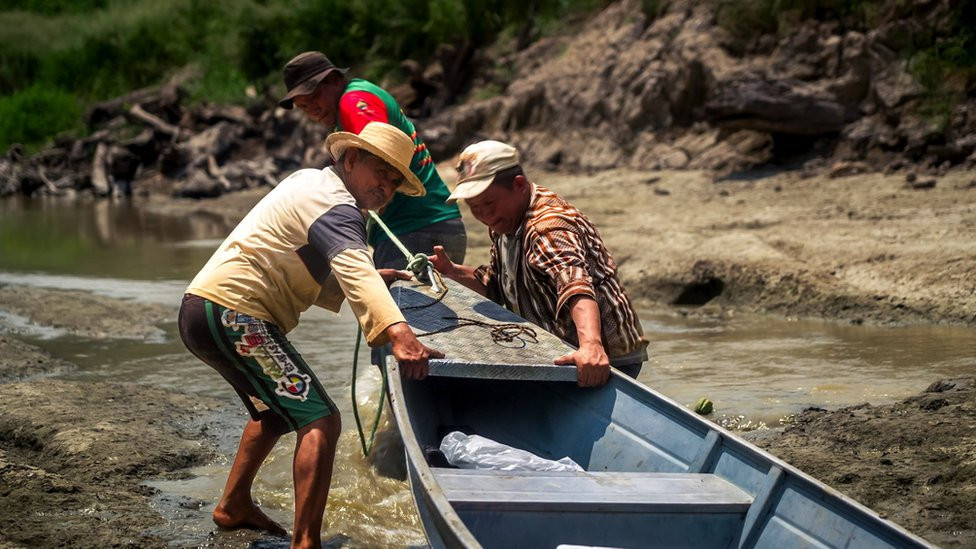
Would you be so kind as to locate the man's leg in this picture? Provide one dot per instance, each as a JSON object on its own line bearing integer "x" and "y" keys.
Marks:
{"x": 202, "y": 330}
{"x": 240, "y": 347}
{"x": 315, "y": 451}
{"x": 236, "y": 509}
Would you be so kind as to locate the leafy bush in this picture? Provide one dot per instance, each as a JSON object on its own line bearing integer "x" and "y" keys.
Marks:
{"x": 747, "y": 19}
{"x": 54, "y": 7}
{"x": 32, "y": 115}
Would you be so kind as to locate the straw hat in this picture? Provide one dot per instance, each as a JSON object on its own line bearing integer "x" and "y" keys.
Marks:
{"x": 386, "y": 142}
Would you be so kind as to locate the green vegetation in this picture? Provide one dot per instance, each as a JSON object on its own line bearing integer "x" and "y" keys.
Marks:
{"x": 92, "y": 50}
{"x": 945, "y": 64}
{"x": 751, "y": 18}
{"x": 653, "y": 8}
{"x": 28, "y": 115}
{"x": 57, "y": 57}
{"x": 53, "y": 7}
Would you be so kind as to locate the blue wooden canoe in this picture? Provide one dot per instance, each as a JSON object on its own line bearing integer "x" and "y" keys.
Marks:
{"x": 656, "y": 474}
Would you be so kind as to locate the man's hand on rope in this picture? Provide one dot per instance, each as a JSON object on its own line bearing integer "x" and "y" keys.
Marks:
{"x": 442, "y": 262}
{"x": 412, "y": 356}
{"x": 463, "y": 274}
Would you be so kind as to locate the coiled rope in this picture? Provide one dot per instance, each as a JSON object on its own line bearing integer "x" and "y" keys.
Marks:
{"x": 500, "y": 333}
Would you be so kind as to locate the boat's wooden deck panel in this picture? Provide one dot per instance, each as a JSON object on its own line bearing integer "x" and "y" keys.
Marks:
{"x": 444, "y": 324}
{"x": 590, "y": 492}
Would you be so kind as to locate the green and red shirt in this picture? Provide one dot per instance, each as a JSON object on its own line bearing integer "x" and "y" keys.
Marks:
{"x": 363, "y": 102}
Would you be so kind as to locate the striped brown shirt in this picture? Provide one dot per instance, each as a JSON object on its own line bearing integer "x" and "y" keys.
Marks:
{"x": 560, "y": 254}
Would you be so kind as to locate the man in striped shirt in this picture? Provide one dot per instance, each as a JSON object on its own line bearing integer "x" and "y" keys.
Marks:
{"x": 548, "y": 264}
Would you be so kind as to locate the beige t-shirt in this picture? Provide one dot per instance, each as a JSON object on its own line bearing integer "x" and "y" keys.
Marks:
{"x": 302, "y": 244}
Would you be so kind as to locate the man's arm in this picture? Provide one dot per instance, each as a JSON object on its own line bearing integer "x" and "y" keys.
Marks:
{"x": 378, "y": 315}
{"x": 412, "y": 355}
{"x": 559, "y": 253}
{"x": 591, "y": 360}
{"x": 459, "y": 273}
{"x": 339, "y": 237}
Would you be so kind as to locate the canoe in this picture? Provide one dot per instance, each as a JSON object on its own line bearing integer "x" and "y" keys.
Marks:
{"x": 655, "y": 474}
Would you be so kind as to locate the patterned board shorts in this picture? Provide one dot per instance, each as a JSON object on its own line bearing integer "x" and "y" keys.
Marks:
{"x": 272, "y": 379}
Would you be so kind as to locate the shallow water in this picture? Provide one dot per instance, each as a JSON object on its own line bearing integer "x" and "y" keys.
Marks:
{"x": 757, "y": 370}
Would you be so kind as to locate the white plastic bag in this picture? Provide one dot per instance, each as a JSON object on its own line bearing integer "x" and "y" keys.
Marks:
{"x": 477, "y": 452}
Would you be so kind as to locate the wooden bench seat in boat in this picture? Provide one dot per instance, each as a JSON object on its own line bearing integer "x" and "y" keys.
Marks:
{"x": 607, "y": 492}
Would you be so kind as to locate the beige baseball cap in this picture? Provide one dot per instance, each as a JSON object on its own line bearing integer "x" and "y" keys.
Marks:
{"x": 477, "y": 165}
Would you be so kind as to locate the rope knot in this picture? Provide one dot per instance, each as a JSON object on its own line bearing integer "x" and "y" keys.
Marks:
{"x": 418, "y": 264}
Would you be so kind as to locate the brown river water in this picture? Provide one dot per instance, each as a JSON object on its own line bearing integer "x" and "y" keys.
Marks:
{"x": 758, "y": 370}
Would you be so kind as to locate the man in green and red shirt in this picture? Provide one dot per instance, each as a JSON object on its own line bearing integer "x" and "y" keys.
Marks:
{"x": 323, "y": 92}
{"x": 548, "y": 264}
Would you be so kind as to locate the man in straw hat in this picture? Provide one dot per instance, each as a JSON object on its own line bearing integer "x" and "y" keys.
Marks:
{"x": 548, "y": 264}
{"x": 322, "y": 91}
{"x": 304, "y": 243}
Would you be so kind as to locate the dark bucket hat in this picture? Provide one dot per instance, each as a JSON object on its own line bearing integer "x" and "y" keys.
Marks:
{"x": 303, "y": 74}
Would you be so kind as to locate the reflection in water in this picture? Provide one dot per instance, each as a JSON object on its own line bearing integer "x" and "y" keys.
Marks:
{"x": 756, "y": 369}
{"x": 101, "y": 238}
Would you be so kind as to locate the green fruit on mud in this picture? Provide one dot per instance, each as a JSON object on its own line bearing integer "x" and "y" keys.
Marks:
{"x": 703, "y": 407}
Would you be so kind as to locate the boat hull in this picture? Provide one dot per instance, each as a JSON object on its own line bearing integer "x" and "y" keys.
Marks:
{"x": 622, "y": 429}
{"x": 655, "y": 473}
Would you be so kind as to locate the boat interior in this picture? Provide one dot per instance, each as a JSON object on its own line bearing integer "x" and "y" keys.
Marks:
{"x": 655, "y": 474}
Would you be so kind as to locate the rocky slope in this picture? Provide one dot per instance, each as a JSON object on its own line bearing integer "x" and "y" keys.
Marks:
{"x": 679, "y": 91}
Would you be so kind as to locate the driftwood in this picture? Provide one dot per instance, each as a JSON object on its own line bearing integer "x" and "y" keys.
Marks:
{"x": 10, "y": 171}
{"x": 99, "y": 177}
{"x": 217, "y": 140}
{"x": 211, "y": 114}
{"x": 51, "y": 187}
{"x": 106, "y": 110}
{"x": 212, "y": 167}
{"x": 243, "y": 174}
{"x": 156, "y": 122}
{"x": 165, "y": 95}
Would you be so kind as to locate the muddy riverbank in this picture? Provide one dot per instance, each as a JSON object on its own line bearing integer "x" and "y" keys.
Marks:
{"x": 868, "y": 249}
{"x": 75, "y": 455}
{"x": 911, "y": 461}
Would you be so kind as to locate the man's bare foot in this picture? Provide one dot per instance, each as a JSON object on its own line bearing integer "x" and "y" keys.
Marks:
{"x": 247, "y": 517}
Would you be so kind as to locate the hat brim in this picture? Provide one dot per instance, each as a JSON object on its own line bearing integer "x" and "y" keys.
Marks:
{"x": 307, "y": 86}
{"x": 470, "y": 189}
{"x": 338, "y": 142}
